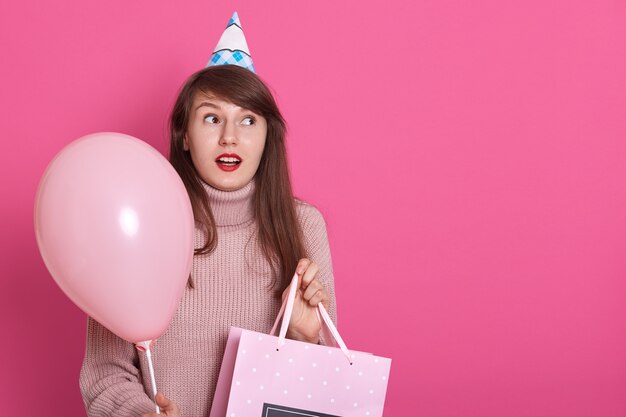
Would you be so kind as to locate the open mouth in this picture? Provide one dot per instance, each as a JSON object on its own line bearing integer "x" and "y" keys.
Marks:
{"x": 228, "y": 162}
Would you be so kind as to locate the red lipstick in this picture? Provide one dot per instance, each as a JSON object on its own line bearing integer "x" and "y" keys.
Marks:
{"x": 228, "y": 161}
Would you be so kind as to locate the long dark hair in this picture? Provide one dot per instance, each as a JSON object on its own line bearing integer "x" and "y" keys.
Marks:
{"x": 279, "y": 232}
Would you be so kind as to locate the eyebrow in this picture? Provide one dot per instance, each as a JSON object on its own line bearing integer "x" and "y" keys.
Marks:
{"x": 207, "y": 104}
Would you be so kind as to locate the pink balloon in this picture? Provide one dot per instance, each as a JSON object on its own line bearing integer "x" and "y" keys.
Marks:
{"x": 115, "y": 228}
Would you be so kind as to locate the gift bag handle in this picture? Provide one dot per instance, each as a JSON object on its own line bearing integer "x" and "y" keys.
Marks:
{"x": 286, "y": 310}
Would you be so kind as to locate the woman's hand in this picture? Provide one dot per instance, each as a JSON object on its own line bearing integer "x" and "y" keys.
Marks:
{"x": 168, "y": 408}
{"x": 305, "y": 324}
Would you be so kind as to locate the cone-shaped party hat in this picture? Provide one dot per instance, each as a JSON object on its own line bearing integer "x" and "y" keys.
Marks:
{"x": 232, "y": 47}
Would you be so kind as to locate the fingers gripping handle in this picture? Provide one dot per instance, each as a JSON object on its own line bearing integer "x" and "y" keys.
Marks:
{"x": 286, "y": 310}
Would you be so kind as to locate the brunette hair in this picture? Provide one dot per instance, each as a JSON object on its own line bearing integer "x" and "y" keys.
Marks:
{"x": 278, "y": 230}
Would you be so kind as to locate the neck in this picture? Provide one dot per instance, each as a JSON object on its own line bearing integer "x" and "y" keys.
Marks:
{"x": 231, "y": 208}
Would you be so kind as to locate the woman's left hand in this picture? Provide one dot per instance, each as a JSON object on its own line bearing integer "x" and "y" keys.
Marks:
{"x": 305, "y": 324}
{"x": 168, "y": 408}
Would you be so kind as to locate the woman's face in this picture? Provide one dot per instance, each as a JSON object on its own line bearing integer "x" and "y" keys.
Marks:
{"x": 225, "y": 141}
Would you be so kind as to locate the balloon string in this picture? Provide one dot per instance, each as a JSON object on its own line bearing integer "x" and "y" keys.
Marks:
{"x": 152, "y": 380}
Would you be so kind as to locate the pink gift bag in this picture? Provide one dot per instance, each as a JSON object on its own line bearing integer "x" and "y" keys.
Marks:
{"x": 269, "y": 376}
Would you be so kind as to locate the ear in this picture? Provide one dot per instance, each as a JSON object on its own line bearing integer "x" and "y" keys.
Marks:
{"x": 185, "y": 143}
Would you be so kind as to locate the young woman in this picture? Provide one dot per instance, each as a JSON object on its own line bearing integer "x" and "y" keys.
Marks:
{"x": 227, "y": 144}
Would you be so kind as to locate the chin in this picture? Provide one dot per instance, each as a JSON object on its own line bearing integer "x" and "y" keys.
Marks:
{"x": 226, "y": 181}
{"x": 229, "y": 185}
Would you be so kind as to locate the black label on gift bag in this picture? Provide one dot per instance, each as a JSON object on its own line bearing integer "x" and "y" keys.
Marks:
{"x": 272, "y": 410}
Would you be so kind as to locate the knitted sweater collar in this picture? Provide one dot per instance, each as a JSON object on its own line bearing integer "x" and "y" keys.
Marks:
{"x": 231, "y": 208}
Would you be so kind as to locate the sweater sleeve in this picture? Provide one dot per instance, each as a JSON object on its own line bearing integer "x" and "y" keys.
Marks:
{"x": 318, "y": 250}
{"x": 110, "y": 378}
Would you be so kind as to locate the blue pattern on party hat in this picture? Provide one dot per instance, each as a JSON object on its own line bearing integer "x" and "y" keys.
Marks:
{"x": 232, "y": 47}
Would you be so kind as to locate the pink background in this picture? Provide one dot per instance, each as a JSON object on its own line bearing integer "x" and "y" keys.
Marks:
{"x": 469, "y": 157}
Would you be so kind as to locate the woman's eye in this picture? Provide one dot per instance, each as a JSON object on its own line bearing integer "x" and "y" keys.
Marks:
{"x": 248, "y": 121}
{"x": 211, "y": 119}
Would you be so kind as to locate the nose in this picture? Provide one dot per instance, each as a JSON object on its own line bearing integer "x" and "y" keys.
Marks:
{"x": 229, "y": 134}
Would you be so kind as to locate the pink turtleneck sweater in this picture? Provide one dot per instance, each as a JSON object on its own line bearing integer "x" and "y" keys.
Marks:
{"x": 232, "y": 288}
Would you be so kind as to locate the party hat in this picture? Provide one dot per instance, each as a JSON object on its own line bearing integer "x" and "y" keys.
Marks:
{"x": 232, "y": 47}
